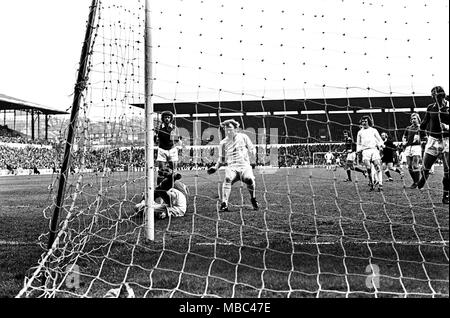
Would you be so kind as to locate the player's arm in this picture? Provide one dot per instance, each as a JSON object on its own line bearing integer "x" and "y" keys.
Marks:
{"x": 358, "y": 143}
{"x": 175, "y": 136}
{"x": 444, "y": 121}
{"x": 156, "y": 137}
{"x": 251, "y": 150}
{"x": 405, "y": 137}
{"x": 425, "y": 120}
{"x": 379, "y": 140}
{"x": 220, "y": 162}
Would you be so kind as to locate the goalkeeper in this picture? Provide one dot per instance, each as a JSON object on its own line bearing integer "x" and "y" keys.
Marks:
{"x": 234, "y": 152}
{"x": 172, "y": 191}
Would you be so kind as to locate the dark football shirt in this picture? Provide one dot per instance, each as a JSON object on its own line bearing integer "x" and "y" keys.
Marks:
{"x": 433, "y": 119}
{"x": 410, "y": 133}
{"x": 167, "y": 136}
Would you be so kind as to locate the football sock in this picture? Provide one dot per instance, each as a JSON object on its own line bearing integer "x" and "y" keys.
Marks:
{"x": 251, "y": 189}
{"x": 226, "y": 191}
{"x": 369, "y": 173}
{"x": 359, "y": 170}
{"x": 349, "y": 175}
{"x": 380, "y": 177}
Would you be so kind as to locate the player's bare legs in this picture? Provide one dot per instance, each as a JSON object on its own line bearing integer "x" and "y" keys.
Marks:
{"x": 387, "y": 167}
{"x": 161, "y": 167}
{"x": 378, "y": 174}
{"x": 369, "y": 172}
{"x": 414, "y": 170}
{"x": 249, "y": 179}
{"x": 427, "y": 163}
{"x": 230, "y": 178}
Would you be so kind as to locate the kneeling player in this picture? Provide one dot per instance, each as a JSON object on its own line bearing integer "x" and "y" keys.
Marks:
{"x": 174, "y": 194}
{"x": 234, "y": 152}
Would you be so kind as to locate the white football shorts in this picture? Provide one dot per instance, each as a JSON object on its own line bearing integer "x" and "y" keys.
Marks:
{"x": 239, "y": 173}
{"x": 167, "y": 155}
{"x": 412, "y": 151}
{"x": 371, "y": 155}
{"x": 435, "y": 146}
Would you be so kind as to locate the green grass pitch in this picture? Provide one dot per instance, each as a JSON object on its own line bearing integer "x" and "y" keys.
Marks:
{"x": 314, "y": 236}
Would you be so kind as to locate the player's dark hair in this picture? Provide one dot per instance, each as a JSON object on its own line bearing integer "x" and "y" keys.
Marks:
{"x": 437, "y": 91}
{"x": 230, "y": 122}
{"x": 415, "y": 115}
{"x": 369, "y": 120}
{"x": 167, "y": 114}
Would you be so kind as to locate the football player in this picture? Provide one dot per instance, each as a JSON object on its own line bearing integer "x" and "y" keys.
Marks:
{"x": 413, "y": 149}
{"x": 234, "y": 151}
{"x": 436, "y": 124}
{"x": 167, "y": 138}
{"x": 387, "y": 159}
{"x": 369, "y": 144}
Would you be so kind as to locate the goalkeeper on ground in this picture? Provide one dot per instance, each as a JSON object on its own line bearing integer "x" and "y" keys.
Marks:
{"x": 234, "y": 152}
{"x": 172, "y": 191}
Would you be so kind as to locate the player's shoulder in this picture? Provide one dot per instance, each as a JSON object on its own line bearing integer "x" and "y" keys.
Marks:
{"x": 224, "y": 141}
{"x": 431, "y": 106}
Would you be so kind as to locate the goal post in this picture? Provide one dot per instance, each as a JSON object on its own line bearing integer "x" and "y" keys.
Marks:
{"x": 150, "y": 129}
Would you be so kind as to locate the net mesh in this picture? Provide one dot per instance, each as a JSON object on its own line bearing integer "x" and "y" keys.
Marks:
{"x": 295, "y": 76}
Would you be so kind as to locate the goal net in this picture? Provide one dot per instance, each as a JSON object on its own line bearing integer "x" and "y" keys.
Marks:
{"x": 295, "y": 75}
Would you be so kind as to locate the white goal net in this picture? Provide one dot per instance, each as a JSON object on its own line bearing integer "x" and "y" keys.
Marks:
{"x": 295, "y": 75}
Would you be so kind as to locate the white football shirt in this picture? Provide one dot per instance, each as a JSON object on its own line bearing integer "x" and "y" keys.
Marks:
{"x": 235, "y": 151}
{"x": 368, "y": 138}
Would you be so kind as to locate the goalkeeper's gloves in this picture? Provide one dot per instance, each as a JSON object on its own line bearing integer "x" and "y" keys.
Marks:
{"x": 211, "y": 170}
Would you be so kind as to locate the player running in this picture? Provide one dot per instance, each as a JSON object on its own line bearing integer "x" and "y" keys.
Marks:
{"x": 234, "y": 152}
{"x": 387, "y": 159}
{"x": 369, "y": 143}
{"x": 413, "y": 149}
{"x": 436, "y": 125}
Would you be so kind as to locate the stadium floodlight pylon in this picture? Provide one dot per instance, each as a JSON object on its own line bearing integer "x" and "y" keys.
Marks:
{"x": 259, "y": 62}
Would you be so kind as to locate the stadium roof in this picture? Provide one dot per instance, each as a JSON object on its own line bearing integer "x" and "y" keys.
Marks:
{"x": 12, "y": 103}
{"x": 385, "y": 104}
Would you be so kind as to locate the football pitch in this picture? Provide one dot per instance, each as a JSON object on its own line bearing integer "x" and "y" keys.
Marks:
{"x": 314, "y": 236}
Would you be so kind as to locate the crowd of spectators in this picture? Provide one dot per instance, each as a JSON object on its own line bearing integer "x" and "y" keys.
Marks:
{"x": 115, "y": 159}
{"x": 10, "y": 136}
{"x": 27, "y": 158}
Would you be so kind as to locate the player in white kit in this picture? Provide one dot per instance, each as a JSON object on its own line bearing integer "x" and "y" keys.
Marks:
{"x": 234, "y": 151}
{"x": 369, "y": 143}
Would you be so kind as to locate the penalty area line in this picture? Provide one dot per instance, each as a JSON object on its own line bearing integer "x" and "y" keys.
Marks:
{"x": 17, "y": 243}
{"x": 347, "y": 242}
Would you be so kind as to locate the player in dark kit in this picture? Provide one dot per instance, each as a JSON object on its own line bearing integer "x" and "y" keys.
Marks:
{"x": 351, "y": 160}
{"x": 413, "y": 149}
{"x": 436, "y": 125}
{"x": 167, "y": 138}
{"x": 172, "y": 191}
{"x": 387, "y": 158}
